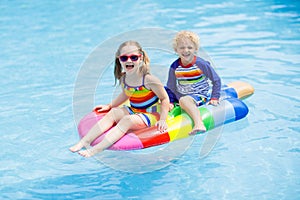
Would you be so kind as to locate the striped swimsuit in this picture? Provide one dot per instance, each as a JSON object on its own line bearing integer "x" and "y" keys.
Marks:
{"x": 143, "y": 102}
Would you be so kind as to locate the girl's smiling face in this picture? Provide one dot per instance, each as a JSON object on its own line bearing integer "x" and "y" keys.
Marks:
{"x": 186, "y": 50}
{"x": 130, "y": 59}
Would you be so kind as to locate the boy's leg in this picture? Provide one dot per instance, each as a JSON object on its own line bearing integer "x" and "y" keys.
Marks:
{"x": 188, "y": 104}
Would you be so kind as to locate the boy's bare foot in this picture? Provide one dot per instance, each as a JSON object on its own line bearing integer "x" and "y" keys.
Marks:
{"x": 198, "y": 129}
{"x": 76, "y": 147}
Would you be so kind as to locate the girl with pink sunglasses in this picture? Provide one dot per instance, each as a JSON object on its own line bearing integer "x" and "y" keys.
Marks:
{"x": 148, "y": 101}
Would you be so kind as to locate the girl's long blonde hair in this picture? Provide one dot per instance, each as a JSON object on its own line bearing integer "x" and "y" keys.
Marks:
{"x": 145, "y": 67}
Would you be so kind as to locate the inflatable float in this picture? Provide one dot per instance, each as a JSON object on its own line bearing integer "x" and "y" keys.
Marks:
{"x": 231, "y": 108}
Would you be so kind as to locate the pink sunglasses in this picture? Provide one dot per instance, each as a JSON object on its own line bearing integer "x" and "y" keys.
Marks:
{"x": 133, "y": 57}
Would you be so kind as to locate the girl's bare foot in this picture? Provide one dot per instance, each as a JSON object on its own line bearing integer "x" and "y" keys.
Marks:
{"x": 76, "y": 147}
{"x": 87, "y": 153}
{"x": 84, "y": 153}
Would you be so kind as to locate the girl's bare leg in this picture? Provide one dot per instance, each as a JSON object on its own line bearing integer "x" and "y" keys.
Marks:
{"x": 187, "y": 103}
{"x": 127, "y": 122}
{"x": 100, "y": 127}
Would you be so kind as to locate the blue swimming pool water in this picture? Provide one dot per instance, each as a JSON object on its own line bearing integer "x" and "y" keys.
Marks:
{"x": 44, "y": 45}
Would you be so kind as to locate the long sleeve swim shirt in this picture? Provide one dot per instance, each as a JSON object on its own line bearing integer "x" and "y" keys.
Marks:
{"x": 193, "y": 79}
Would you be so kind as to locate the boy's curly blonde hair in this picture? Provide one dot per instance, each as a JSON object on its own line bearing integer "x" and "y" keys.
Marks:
{"x": 186, "y": 35}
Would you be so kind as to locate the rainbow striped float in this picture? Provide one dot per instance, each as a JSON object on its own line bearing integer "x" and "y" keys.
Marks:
{"x": 231, "y": 108}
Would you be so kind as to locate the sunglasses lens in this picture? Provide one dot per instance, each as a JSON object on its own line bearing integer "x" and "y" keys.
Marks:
{"x": 123, "y": 58}
{"x": 134, "y": 57}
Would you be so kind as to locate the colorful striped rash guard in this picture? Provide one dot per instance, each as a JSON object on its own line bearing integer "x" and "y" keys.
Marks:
{"x": 193, "y": 79}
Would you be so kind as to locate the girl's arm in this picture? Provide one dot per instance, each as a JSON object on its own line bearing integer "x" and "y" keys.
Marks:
{"x": 153, "y": 83}
{"x": 121, "y": 98}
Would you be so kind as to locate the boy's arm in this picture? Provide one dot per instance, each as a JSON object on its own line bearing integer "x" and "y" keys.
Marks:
{"x": 215, "y": 79}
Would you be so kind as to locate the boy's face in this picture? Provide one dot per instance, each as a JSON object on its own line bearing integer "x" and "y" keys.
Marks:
{"x": 186, "y": 50}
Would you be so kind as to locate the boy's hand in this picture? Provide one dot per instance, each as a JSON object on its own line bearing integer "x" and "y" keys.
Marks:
{"x": 214, "y": 102}
{"x": 171, "y": 106}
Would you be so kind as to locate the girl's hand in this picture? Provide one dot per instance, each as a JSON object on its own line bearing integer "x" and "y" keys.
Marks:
{"x": 214, "y": 102}
{"x": 161, "y": 125}
{"x": 102, "y": 108}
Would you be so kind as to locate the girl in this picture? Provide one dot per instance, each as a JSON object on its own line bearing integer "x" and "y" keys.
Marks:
{"x": 188, "y": 78}
{"x": 146, "y": 95}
